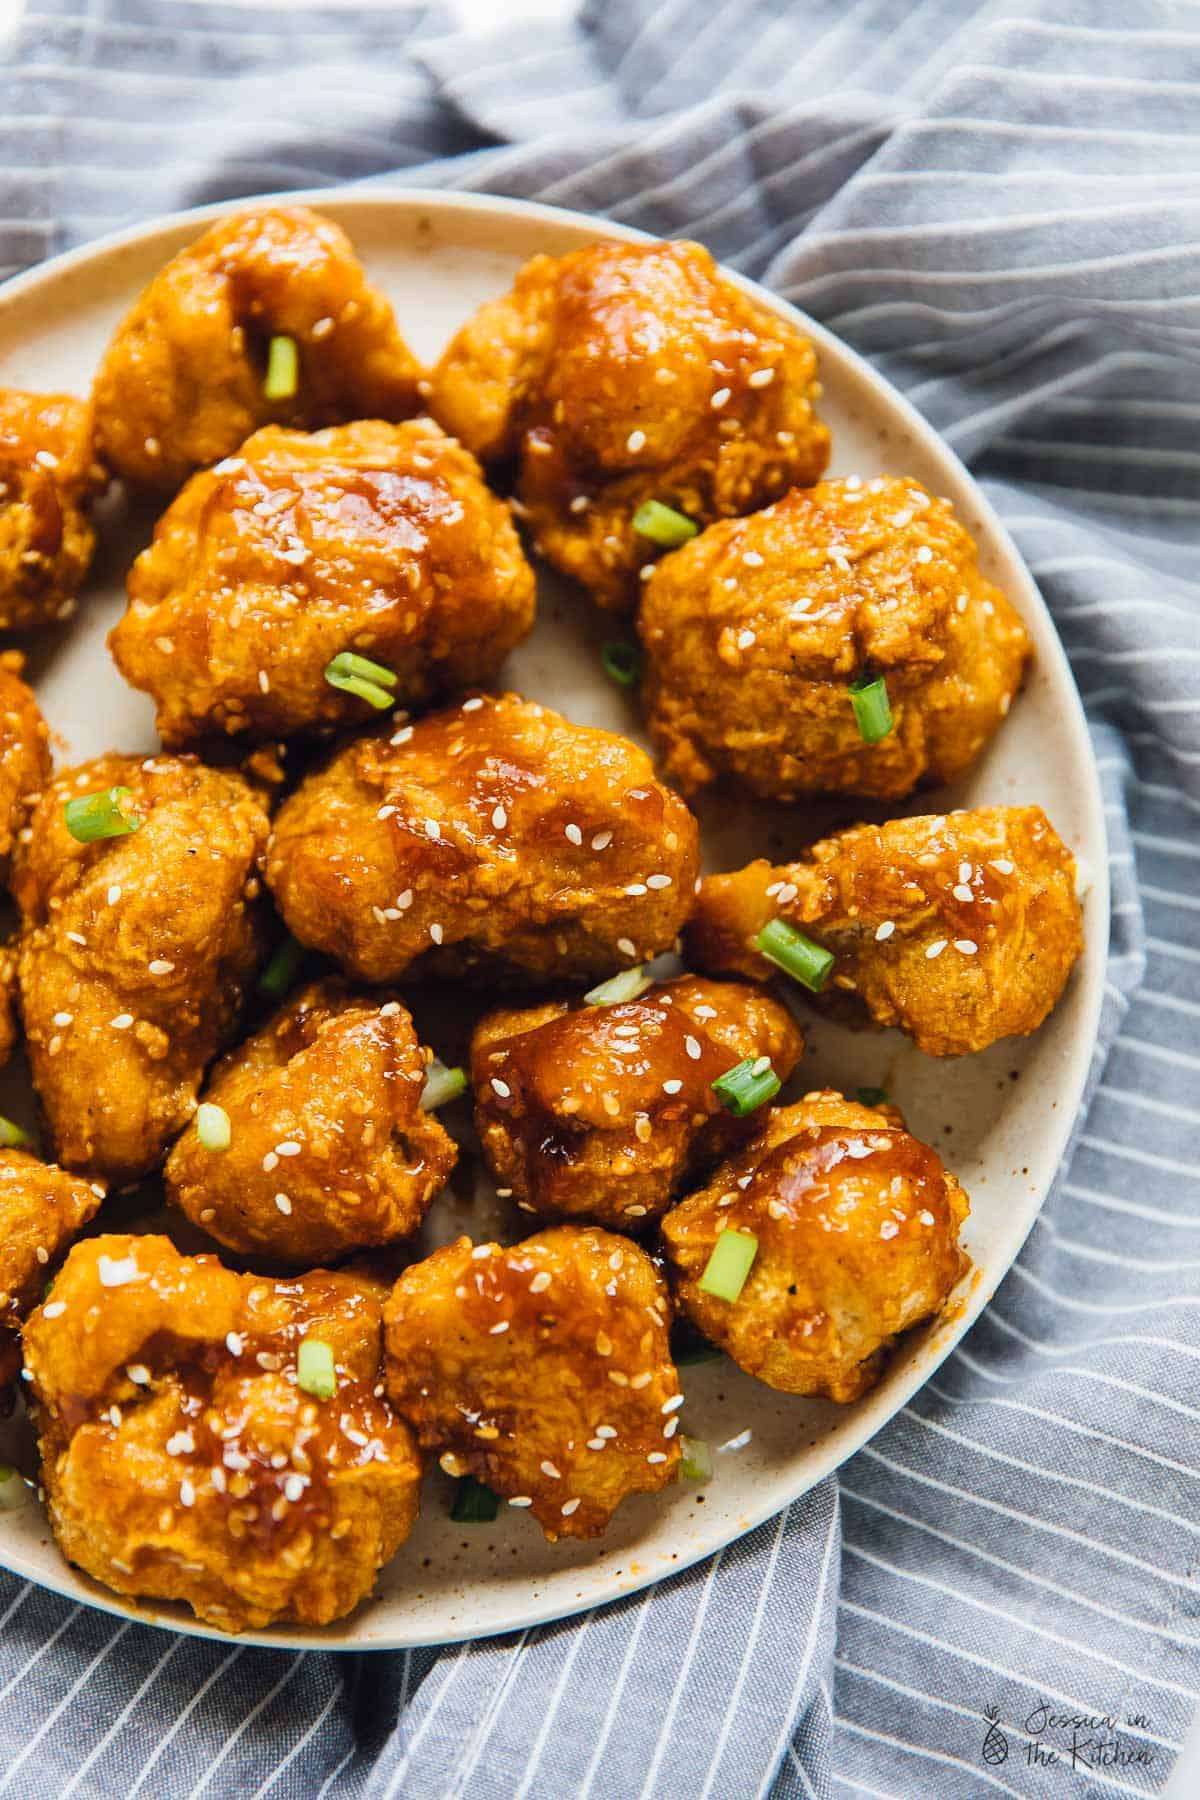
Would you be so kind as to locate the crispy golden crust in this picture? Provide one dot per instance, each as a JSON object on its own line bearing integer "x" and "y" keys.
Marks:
{"x": 41, "y": 1210}
{"x": 181, "y": 383}
{"x": 543, "y": 1370}
{"x": 497, "y": 830}
{"x": 180, "y": 1458}
{"x": 857, "y": 1226}
{"x": 606, "y": 1112}
{"x": 48, "y": 474}
{"x": 8, "y": 1001}
{"x": 960, "y": 928}
{"x": 335, "y": 1078}
{"x": 135, "y": 953}
{"x": 754, "y": 631}
{"x": 24, "y": 754}
{"x": 630, "y": 372}
{"x": 379, "y": 539}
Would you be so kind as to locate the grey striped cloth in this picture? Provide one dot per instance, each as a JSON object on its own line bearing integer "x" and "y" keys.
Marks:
{"x": 999, "y": 204}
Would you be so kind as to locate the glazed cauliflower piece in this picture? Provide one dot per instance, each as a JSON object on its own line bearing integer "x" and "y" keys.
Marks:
{"x": 627, "y": 373}
{"x": 543, "y": 1370}
{"x": 329, "y": 1149}
{"x": 48, "y": 477}
{"x": 857, "y": 1228}
{"x": 755, "y": 631}
{"x": 608, "y": 1111}
{"x": 42, "y": 1210}
{"x": 183, "y": 1456}
{"x": 494, "y": 834}
{"x": 380, "y": 540}
{"x": 135, "y": 952}
{"x": 960, "y": 928}
{"x": 183, "y": 380}
{"x": 24, "y": 754}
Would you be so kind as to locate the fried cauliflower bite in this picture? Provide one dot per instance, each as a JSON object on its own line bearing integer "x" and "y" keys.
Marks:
{"x": 960, "y": 928}
{"x": 135, "y": 953}
{"x": 24, "y": 754}
{"x": 181, "y": 1457}
{"x": 329, "y": 1148}
{"x": 48, "y": 476}
{"x": 623, "y": 373}
{"x": 494, "y": 834}
{"x": 42, "y": 1209}
{"x": 755, "y": 631}
{"x": 372, "y": 538}
{"x": 606, "y": 1112}
{"x": 857, "y": 1227}
{"x": 182, "y": 381}
{"x": 543, "y": 1370}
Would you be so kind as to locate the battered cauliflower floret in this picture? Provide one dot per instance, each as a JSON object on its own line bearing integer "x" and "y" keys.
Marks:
{"x": 48, "y": 476}
{"x": 495, "y": 833}
{"x": 755, "y": 631}
{"x": 42, "y": 1209}
{"x": 624, "y": 373}
{"x": 181, "y": 1457}
{"x": 182, "y": 381}
{"x": 543, "y": 1370}
{"x": 329, "y": 1149}
{"x": 24, "y": 754}
{"x": 606, "y": 1112}
{"x": 135, "y": 953}
{"x": 377, "y": 539}
{"x": 960, "y": 928}
{"x": 857, "y": 1227}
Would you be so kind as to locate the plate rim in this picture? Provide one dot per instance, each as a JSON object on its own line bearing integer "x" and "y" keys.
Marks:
{"x": 352, "y": 1634}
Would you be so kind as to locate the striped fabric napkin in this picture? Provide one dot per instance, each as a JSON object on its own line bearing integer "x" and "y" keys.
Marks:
{"x": 998, "y": 204}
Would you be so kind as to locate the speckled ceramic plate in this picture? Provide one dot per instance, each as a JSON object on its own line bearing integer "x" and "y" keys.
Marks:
{"x": 1001, "y": 1120}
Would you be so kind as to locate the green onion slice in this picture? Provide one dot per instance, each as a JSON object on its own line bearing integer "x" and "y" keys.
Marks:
{"x": 663, "y": 525}
{"x": 282, "y": 969}
{"x": 442, "y": 1084}
{"x": 12, "y": 1136}
{"x": 283, "y": 369}
{"x": 622, "y": 663}
{"x": 212, "y": 1126}
{"x": 795, "y": 954}
{"x": 474, "y": 1504}
{"x": 732, "y": 1259}
{"x": 696, "y": 1463}
{"x": 872, "y": 709}
{"x": 90, "y": 817}
{"x": 367, "y": 680}
{"x": 6, "y": 1472}
{"x": 625, "y": 986}
{"x": 746, "y": 1086}
{"x": 315, "y": 1372}
{"x": 869, "y": 1096}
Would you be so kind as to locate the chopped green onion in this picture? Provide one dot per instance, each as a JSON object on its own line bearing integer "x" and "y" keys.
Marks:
{"x": 663, "y": 525}
{"x": 442, "y": 1084}
{"x": 871, "y": 1096}
{"x": 474, "y": 1504}
{"x": 625, "y": 986}
{"x": 696, "y": 1463}
{"x": 872, "y": 709}
{"x": 314, "y": 1368}
{"x": 90, "y": 817}
{"x": 795, "y": 954}
{"x": 367, "y": 680}
{"x": 747, "y": 1085}
{"x": 282, "y": 969}
{"x": 622, "y": 663}
{"x": 732, "y": 1259}
{"x": 212, "y": 1126}
{"x": 6, "y": 1471}
{"x": 283, "y": 369}
{"x": 12, "y": 1136}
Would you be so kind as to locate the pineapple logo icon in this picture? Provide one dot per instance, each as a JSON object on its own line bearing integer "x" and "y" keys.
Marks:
{"x": 995, "y": 1744}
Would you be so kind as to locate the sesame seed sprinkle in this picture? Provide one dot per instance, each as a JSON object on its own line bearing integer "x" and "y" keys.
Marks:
{"x": 935, "y": 949}
{"x": 635, "y": 441}
{"x": 884, "y": 931}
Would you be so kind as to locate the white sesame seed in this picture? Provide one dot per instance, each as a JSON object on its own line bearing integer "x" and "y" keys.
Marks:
{"x": 294, "y": 1487}
{"x": 472, "y": 705}
{"x": 596, "y": 1443}
{"x": 138, "y": 1373}
{"x": 627, "y": 947}
{"x": 520, "y": 1500}
{"x": 745, "y": 639}
{"x": 55, "y": 1309}
{"x": 888, "y": 1229}
{"x": 902, "y": 519}
{"x": 385, "y": 812}
{"x": 658, "y": 881}
{"x": 787, "y": 892}
{"x": 402, "y": 736}
{"x": 549, "y": 1468}
{"x": 497, "y": 1329}
{"x": 114, "y": 894}
{"x": 436, "y": 933}
{"x": 602, "y": 840}
{"x": 673, "y": 1404}
{"x": 568, "y": 1507}
{"x": 181, "y": 1443}
{"x": 720, "y": 398}
{"x": 692, "y": 1046}
{"x": 635, "y": 888}
{"x": 540, "y": 1282}
{"x": 501, "y": 1087}
{"x": 964, "y": 871}
{"x": 962, "y": 892}
{"x": 925, "y": 1216}
{"x": 499, "y": 818}
{"x": 672, "y": 1086}
{"x": 433, "y": 829}
{"x": 122, "y": 1022}
{"x": 960, "y": 605}
{"x": 935, "y": 949}
{"x": 270, "y": 1161}
{"x": 63, "y": 1018}
{"x": 390, "y": 1010}
{"x": 160, "y": 966}
{"x": 752, "y": 559}
{"x": 657, "y": 1456}
{"x": 1001, "y": 865}
{"x": 480, "y": 1251}
{"x": 635, "y": 441}
{"x": 967, "y": 946}
{"x": 289, "y": 1147}
{"x": 284, "y": 1204}
{"x": 736, "y": 1443}
{"x": 187, "y": 1494}
{"x": 233, "y": 1343}
{"x": 761, "y": 378}
{"x": 924, "y": 554}
{"x": 884, "y": 931}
